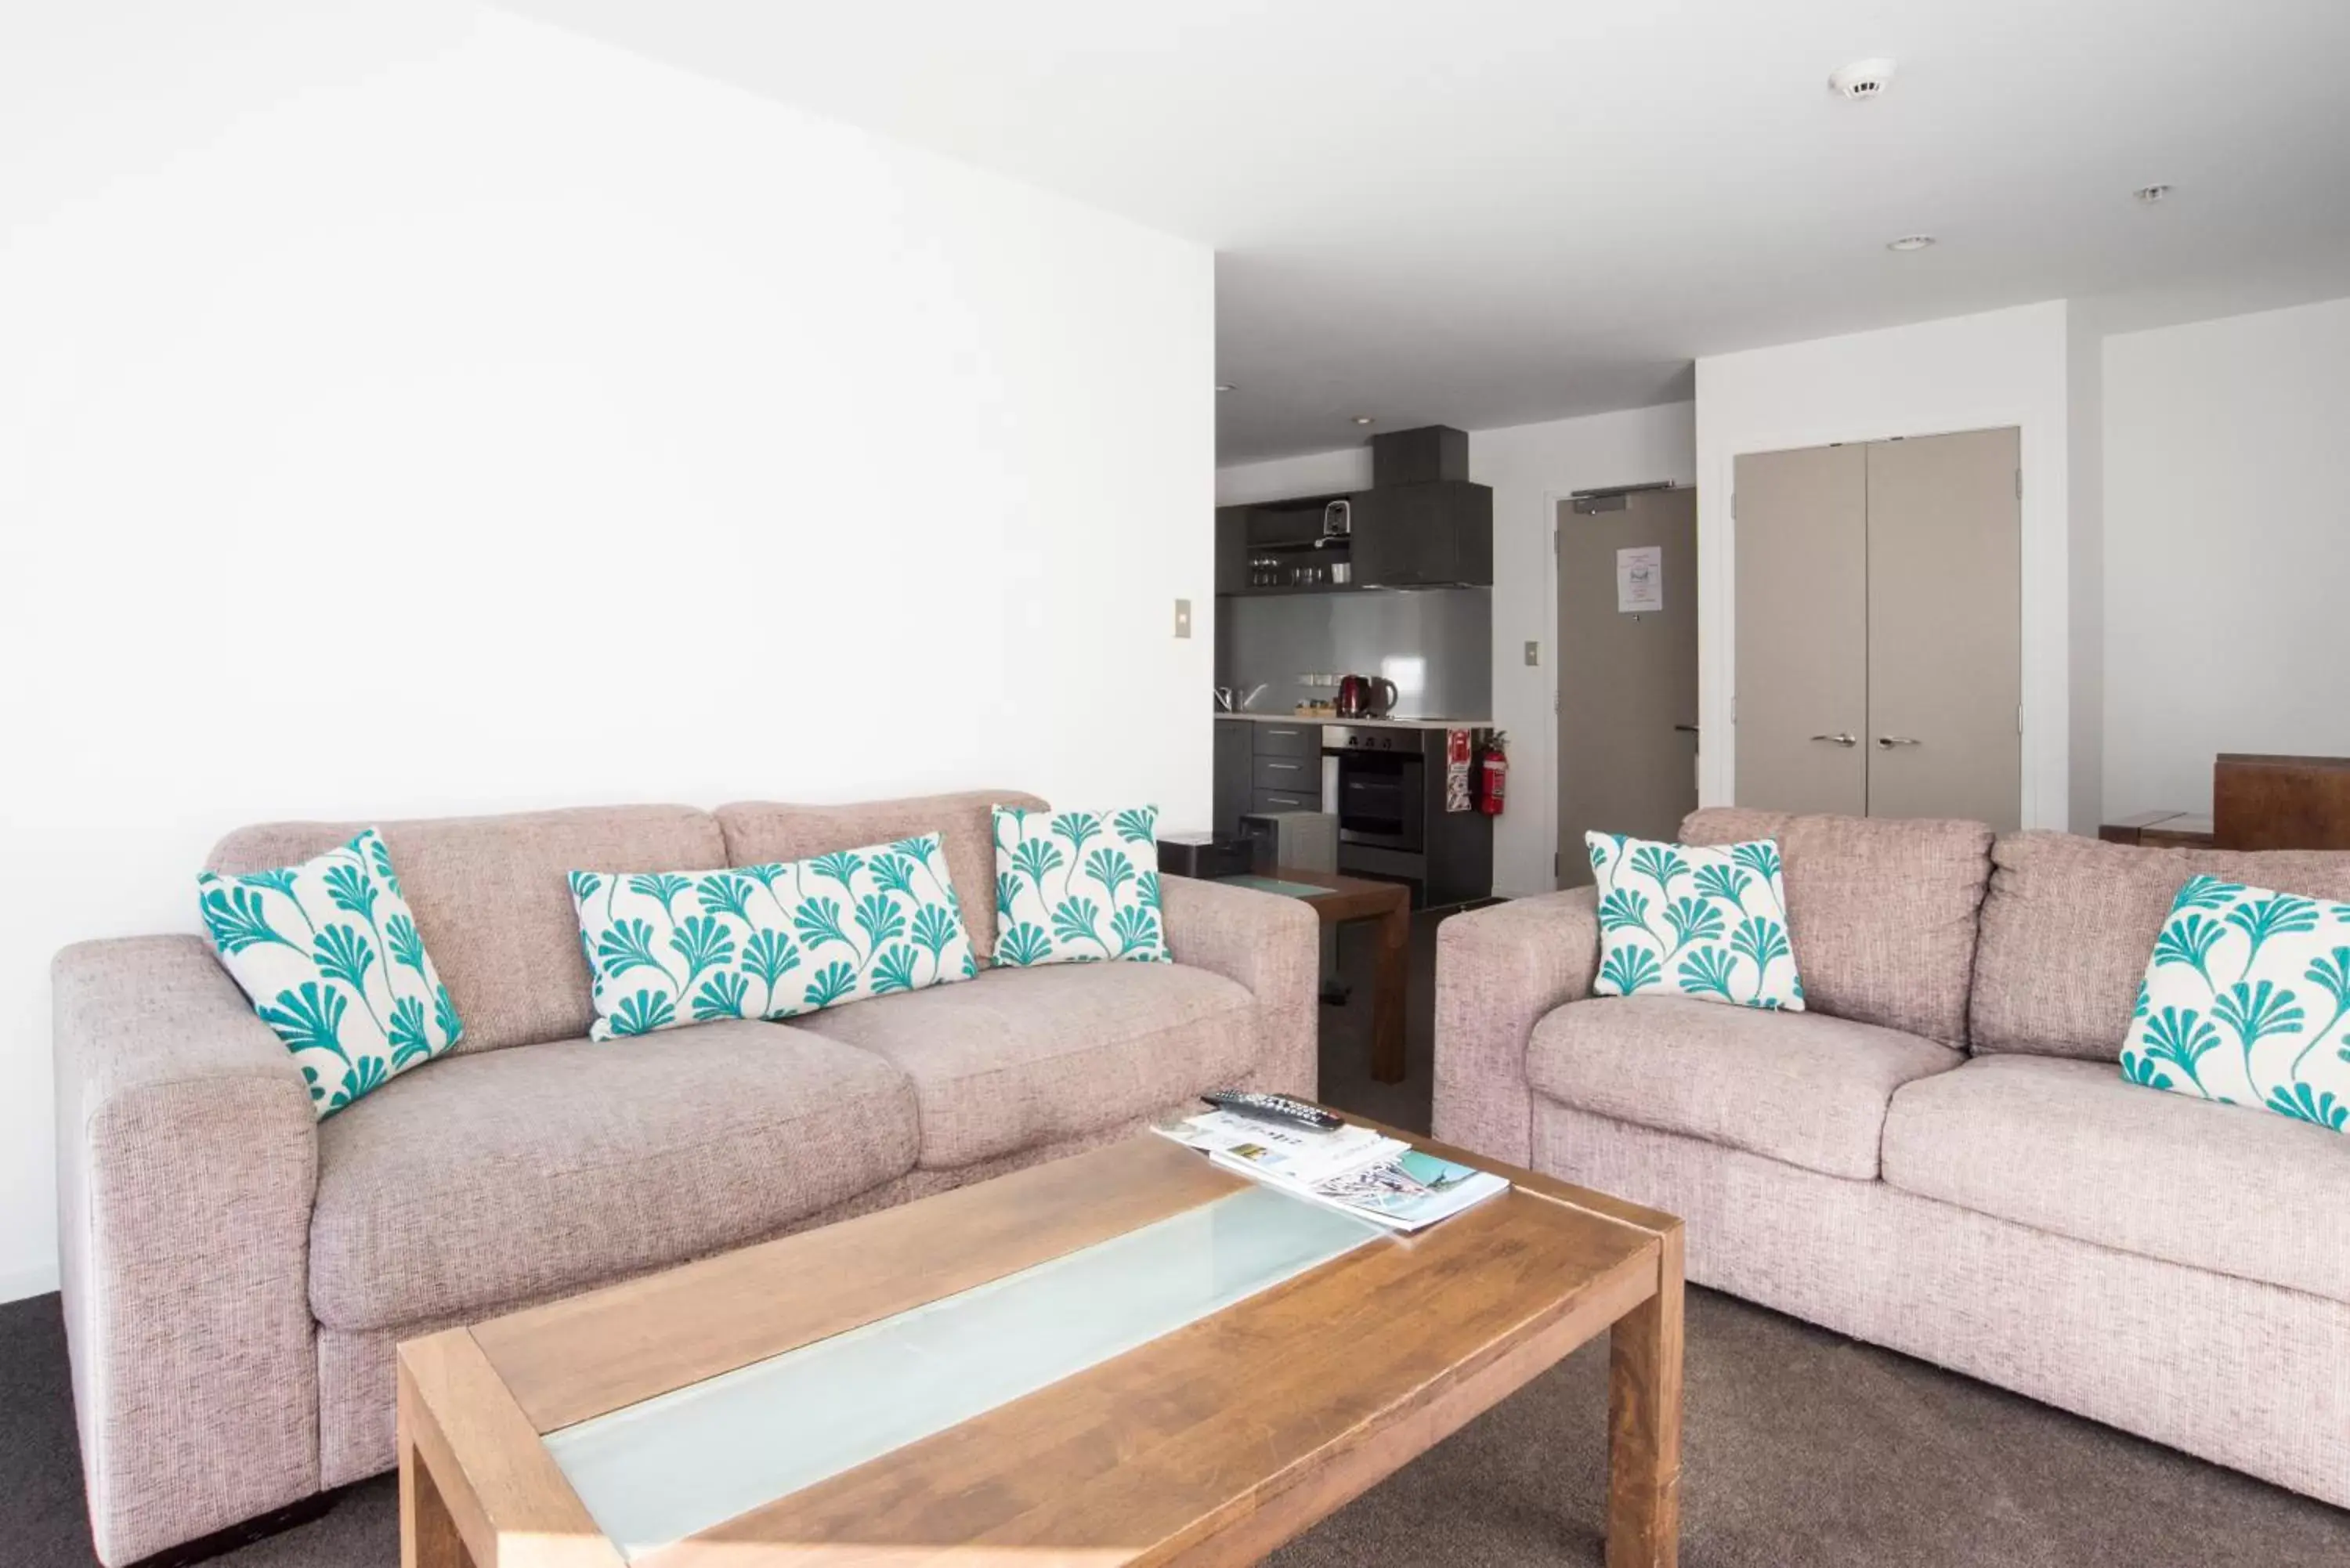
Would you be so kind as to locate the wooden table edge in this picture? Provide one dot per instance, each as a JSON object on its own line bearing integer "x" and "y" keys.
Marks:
{"x": 477, "y": 1484}
{"x": 533, "y": 1517}
{"x": 1314, "y": 1486}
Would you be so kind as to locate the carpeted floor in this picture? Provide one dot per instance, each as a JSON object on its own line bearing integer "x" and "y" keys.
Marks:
{"x": 1802, "y": 1449}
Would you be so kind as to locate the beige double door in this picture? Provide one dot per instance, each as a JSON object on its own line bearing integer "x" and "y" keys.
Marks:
{"x": 1880, "y": 628}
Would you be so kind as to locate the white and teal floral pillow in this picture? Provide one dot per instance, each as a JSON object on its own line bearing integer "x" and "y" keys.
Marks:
{"x": 1077, "y": 887}
{"x": 2246, "y": 1001}
{"x": 672, "y": 948}
{"x": 328, "y": 954}
{"x": 1676, "y": 920}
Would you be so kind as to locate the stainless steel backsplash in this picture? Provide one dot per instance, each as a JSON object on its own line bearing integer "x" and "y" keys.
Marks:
{"x": 1435, "y": 644}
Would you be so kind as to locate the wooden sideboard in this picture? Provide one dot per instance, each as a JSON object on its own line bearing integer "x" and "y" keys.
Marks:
{"x": 2257, "y": 803}
{"x": 2280, "y": 802}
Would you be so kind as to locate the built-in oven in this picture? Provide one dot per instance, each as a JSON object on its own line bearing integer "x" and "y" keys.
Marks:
{"x": 1382, "y": 786}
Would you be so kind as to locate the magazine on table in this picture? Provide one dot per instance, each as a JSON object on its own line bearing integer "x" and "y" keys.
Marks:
{"x": 1351, "y": 1168}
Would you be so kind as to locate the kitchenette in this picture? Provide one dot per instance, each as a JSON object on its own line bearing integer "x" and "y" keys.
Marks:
{"x": 1354, "y": 669}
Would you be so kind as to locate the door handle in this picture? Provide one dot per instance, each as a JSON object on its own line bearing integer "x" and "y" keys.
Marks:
{"x": 1838, "y": 739}
{"x": 1685, "y": 729}
{"x": 1886, "y": 742}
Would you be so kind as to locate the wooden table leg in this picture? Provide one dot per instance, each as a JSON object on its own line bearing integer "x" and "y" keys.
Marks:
{"x": 1644, "y": 1423}
{"x": 428, "y": 1535}
{"x": 1388, "y": 981}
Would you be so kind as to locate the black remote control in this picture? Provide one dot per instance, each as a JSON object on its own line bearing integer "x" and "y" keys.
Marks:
{"x": 1273, "y": 1109}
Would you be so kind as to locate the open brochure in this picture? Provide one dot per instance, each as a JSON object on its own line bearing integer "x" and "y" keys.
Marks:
{"x": 1351, "y": 1168}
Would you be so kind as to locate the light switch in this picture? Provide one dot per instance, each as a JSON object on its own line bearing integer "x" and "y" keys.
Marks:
{"x": 1533, "y": 653}
{"x": 1182, "y": 618}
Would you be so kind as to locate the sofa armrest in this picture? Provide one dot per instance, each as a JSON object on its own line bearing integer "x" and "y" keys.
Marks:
{"x": 187, "y": 1157}
{"x": 1499, "y": 972}
{"x": 1269, "y": 944}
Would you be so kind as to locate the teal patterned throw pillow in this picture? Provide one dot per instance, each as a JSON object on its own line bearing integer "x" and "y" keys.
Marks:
{"x": 1077, "y": 887}
{"x": 2246, "y": 1001}
{"x": 1676, "y": 920}
{"x": 328, "y": 954}
{"x": 672, "y": 948}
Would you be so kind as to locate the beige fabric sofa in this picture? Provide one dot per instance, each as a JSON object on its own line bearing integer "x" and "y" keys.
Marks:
{"x": 237, "y": 1274}
{"x": 1941, "y": 1156}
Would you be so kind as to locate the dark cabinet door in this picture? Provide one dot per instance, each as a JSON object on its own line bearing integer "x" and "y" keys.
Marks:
{"x": 1424, "y": 535}
{"x": 1379, "y": 549}
{"x": 1235, "y": 774}
{"x": 1231, "y": 550}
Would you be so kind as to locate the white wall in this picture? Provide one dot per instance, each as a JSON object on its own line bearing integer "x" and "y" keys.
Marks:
{"x": 1973, "y": 372}
{"x": 427, "y": 410}
{"x": 2227, "y": 548}
{"x": 1531, "y": 468}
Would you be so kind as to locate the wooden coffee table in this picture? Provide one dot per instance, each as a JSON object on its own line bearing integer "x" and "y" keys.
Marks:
{"x": 1125, "y": 1356}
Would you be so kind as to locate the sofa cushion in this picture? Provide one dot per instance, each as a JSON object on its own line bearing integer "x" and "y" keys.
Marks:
{"x": 1058, "y": 901}
{"x": 2069, "y": 923}
{"x": 1679, "y": 920}
{"x": 491, "y": 901}
{"x": 677, "y": 948}
{"x": 328, "y": 954}
{"x": 1799, "y": 1087}
{"x": 2070, "y": 1148}
{"x": 760, "y": 831}
{"x": 512, "y": 1174}
{"x": 1024, "y": 1056}
{"x": 1881, "y": 910}
{"x": 2244, "y": 1003}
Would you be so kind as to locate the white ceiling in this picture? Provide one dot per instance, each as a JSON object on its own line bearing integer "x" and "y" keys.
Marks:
{"x": 1490, "y": 212}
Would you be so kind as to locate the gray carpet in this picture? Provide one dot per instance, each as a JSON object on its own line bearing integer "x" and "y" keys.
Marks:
{"x": 1802, "y": 1449}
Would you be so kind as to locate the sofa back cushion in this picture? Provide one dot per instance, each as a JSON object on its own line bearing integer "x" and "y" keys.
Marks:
{"x": 760, "y": 831}
{"x": 2070, "y": 923}
{"x": 493, "y": 899}
{"x": 1881, "y": 910}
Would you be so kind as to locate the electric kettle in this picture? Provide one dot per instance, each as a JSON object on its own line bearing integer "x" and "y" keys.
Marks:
{"x": 1366, "y": 696}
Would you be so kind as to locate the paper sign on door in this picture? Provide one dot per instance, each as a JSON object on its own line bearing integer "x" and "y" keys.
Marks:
{"x": 1640, "y": 579}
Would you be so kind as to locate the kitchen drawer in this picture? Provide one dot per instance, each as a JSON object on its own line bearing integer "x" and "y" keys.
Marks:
{"x": 1283, "y": 800}
{"x": 1298, "y": 775}
{"x": 1303, "y": 738}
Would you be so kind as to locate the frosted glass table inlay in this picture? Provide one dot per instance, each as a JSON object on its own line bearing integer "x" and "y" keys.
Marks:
{"x": 1128, "y": 1355}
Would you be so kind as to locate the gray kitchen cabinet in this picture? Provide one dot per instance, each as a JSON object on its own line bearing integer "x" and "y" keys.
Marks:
{"x": 1434, "y": 534}
{"x": 1303, "y": 738}
{"x": 1231, "y": 550}
{"x": 1232, "y": 781}
{"x": 1298, "y": 775}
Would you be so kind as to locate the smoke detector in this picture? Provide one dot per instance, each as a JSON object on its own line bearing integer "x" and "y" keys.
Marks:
{"x": 1910, "y": 242}
{"x": 1861, "y": 79}
{"x": 2150, "y": 194}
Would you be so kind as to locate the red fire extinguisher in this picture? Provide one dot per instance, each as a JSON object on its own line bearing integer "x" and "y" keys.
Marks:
{"x": 1492, "y": 774}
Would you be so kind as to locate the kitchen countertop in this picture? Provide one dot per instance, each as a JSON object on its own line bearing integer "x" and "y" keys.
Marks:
{"x": 1360, "y": 723}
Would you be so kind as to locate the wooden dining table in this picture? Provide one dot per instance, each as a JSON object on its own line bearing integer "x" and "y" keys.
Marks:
{"x": 1341, "y": 901}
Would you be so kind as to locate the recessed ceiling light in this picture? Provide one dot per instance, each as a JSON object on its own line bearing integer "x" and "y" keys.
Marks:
{"x": 1861, "y": 79}
{"x": 1363, "y": 419}
{"x": 2150, "y": 194}
{"x": 1223, "y": 385}
{"x": 1910, "y": 242}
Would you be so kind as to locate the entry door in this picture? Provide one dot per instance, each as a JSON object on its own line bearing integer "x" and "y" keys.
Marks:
{"x": 1800, "y": 527}
{"x": 1626, "y": 681}
{"x": 1945, "y": 627}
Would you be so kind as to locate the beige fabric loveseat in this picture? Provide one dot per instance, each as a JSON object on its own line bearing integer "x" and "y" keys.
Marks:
{"x": 1941, "y": 1154}
{"x": 237, "y": 1274}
